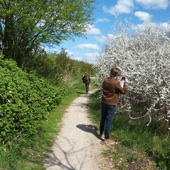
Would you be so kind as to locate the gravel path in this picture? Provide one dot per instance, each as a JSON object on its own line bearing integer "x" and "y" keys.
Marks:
{"x": 77, "y": 146}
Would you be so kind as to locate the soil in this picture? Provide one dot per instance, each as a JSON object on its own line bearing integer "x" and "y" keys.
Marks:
{"x": 77, "y": 146}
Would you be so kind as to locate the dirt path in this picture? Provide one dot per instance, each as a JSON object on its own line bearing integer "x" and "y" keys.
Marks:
{"x": 77, "y": 146}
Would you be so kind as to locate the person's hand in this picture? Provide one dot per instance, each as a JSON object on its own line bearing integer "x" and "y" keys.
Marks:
{"x": 126, "y": 80}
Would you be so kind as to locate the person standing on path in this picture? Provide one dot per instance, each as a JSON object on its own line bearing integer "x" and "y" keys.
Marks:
{"x": 111, "y": 89}
{"x": 86, "y": 81}
{"x": 76, "y": 147}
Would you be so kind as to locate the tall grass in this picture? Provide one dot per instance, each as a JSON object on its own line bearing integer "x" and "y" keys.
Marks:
{"x": 135, "y": 136}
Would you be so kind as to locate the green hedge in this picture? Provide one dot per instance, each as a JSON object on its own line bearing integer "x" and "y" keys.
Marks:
{"x": 25, "y": 101}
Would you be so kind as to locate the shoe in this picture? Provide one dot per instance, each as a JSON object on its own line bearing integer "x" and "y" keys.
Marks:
{"x": 102, "y": 137}
{"x": 109, "y": 142}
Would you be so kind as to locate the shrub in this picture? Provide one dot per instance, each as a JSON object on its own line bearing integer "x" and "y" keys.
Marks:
{"x": 143, "y": 56}
{"x": 25, "y": 101}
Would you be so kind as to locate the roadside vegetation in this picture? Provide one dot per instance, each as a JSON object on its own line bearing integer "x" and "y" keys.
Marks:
{"x": 36, "y": 87}
{"x": 142, "y": 122}
{"x": 32, "y": 104}
{"x": 143, "y": 57}
{"x": 138, "y": 146}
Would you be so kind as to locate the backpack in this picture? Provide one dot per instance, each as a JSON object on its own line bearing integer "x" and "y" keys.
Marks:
{"x": 85, "y": 79}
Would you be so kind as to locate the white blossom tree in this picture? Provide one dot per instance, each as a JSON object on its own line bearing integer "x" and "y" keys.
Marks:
{"x": 144, "y": 57}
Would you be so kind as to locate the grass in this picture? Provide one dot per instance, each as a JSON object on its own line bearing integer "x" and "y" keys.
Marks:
{"x": 30, "y": 153}
{"x": 138, "y": 147}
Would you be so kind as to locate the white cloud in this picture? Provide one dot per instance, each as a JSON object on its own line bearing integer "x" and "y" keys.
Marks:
{"x": 89, "y": 46}
{"x": 165, "y": 26}
{"x": 162, "y": 26}
{"x": 91, "y": 54}
{"x": 92, "y": 30}
{"x": 76, "y": 58}
{"x": 101, "y": 38}
{"x": 91, "y": 57}
{"x": 102, "y": 20}
{"x": 69, "y": 52}
{"x": 104, "y": 39}
{"x": 158, "y": 4}
{"x": 138, "y": 26}
{"x": 122, "y": 6}
{"x": 144, "y": 16}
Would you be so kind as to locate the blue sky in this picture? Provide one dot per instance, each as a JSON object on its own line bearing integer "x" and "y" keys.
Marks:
{"x": 106, "y": 13}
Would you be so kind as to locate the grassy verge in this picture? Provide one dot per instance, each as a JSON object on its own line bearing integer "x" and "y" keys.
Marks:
{"x": 29, "y": 154}
{"x": 138, "y": 146}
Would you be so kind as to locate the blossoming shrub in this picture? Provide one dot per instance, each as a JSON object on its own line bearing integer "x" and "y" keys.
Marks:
{"x": 144, "y": 57}
{"x": 25, "y": 101}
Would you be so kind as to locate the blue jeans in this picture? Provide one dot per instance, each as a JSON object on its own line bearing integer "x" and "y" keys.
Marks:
{"x": 107, "y": 113}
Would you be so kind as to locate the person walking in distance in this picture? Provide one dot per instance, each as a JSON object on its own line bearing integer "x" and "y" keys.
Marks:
{"x": 111, "y": 89}
{"x": 86, "y": 81}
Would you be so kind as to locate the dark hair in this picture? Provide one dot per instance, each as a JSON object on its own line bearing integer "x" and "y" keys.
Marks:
{"x": 115, "y": 72}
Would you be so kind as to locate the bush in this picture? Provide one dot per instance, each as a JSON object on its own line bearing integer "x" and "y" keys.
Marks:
{"x": 143, "y": 56}
{"x": 58, "y": 68}
{"x": 25, "y": 101}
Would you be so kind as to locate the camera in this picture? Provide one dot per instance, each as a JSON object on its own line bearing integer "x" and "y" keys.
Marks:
{"x": 123, "y": 78}
{"x": 122, "y": 81}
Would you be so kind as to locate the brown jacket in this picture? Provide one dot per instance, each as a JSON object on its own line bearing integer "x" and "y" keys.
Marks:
{"x": 111, "y": 89}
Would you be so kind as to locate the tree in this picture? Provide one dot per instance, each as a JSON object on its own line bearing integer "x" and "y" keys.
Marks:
{"x": 144, "y": 57}
{"x": 26, "y": 25}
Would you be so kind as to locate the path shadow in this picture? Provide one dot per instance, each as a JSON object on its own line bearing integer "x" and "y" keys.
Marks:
{"x": 61, "y": 159}
{"x": 90, "y": 129}
{"x": 69, "y": 157}
{"x": 79, "y": 92}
